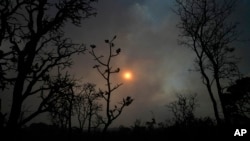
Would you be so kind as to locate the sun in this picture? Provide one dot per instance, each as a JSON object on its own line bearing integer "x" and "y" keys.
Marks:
{"x": 127, "y": 75}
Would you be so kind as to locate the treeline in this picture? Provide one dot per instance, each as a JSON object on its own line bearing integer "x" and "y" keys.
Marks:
{"x": 183, "y": 125}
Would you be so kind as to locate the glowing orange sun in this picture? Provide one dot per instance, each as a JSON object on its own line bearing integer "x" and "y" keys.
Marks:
{"x": 127, "y": 75}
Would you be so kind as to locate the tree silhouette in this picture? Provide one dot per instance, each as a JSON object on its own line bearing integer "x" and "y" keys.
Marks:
{"x": 59, "y": 101}
{"x": 105, "y": 69}
{"x": 206, "y": 31}
{"x": 183, "y": 109}
{"x": 33, "y": 44}
{"x": 237, "y": 100}
{"x": 87, "y": 107}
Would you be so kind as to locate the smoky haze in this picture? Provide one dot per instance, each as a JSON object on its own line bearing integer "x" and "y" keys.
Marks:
{"x": 147, "y": 35}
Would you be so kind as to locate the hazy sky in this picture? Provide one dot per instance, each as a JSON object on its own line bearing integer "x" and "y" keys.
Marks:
{"x": 147, "y": 34}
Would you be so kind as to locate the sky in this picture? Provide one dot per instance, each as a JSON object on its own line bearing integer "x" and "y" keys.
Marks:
{"x": 148, "y": 37}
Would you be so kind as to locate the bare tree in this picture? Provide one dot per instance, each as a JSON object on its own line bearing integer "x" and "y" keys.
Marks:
{"x": 81, "y": 110}
{"x": 59, "y": 101}
{"x": 33, "y": 44}
{"x": 183, "y": 109}
{"x": 105, "y": 69}
{"x": 206, "y": 30}
{"x": 87, "y": 106}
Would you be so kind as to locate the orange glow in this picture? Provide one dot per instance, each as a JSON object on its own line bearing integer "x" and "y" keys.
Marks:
{"x": 127, "y": 75}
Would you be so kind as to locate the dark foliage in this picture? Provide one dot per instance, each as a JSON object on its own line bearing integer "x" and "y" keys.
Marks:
{"x": 237, "y": 100}
{"x": 203, "y": 128}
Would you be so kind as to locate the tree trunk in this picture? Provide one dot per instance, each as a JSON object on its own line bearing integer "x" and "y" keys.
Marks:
{"x": 220, "y": 93}
{"x": 105, "y": 128}
{"x": 16, "y": 102}
{"x": 215, "y": 107}
{"x": 23, "y": 69}
{"x": 90, "y": 116}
